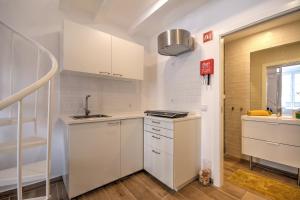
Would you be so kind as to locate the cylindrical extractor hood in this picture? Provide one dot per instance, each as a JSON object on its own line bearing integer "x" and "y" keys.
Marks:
{"x": 174, "y": 42}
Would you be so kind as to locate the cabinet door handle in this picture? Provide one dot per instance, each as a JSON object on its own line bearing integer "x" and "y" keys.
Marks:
{"x": 156, "y": 137}
{"x": 273, "y": 143}
{"x": 113, "y": 123}
{"x": 155, "y": 129}
{"x": 272, "y": 123}
{"x": 104, "y": 73}
{"x": 155, "y": 152}
{"x": 155, "y": 122}
{"x": 118, "y": 75}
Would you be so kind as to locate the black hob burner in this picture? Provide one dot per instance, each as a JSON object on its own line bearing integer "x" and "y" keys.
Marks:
{"x": 166, "y": 113}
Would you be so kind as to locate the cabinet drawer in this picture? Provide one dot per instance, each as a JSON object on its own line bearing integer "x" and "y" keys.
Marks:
{"x": 158, "y": 130}
{"x": 280, "y": 153}
{"x": 274, "y": 132}
{"x": 148, "y": 159}
{"x": 159, "y": 164}
{"x": 158, "y": 142}
{"x": 158, "y": 123}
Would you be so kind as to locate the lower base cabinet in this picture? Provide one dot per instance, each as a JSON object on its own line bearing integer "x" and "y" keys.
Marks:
{"x": 172, "y": 150}
{"x": 157, "y": 162}
{"x": 132, "y": 156}
{"x": 101, "y": 152}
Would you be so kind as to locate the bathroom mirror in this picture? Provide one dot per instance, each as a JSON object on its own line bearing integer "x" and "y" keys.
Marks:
{"x": 275, "y": 79}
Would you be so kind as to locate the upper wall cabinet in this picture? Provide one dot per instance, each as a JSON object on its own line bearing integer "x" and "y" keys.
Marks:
{"x": 127, "y": 59}
{"x": 91, "y": 51}
{"x": 85, "y": 49}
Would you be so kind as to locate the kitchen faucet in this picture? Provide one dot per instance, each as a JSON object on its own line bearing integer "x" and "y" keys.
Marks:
{"x": 86, "y": 108}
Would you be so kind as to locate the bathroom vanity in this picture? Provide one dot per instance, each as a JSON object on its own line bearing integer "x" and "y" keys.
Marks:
{"x": 272, "y": 138}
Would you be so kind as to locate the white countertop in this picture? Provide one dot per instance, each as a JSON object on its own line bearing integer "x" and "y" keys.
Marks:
{"x": 272, "y": 118}
{"x": 68, "y": 120}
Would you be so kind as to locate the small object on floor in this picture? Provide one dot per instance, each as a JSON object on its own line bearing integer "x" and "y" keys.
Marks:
{"x": 205, "y": 177}
{"x": 259, "y": 113}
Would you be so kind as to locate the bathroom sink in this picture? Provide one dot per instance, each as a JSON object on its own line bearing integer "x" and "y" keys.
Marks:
{"x": 89, "y": 116}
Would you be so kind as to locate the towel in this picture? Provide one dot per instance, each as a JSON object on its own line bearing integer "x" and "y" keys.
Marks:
{"x": 297, "y": 115}
{"x": 259, "y": 113}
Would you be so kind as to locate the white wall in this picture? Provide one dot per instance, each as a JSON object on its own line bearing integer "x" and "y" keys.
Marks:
{"x": 108, "y": 96}
{"x": 174, "y": 83}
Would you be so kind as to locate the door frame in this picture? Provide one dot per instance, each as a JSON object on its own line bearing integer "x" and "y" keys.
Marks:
{"x": 222, "y": 95}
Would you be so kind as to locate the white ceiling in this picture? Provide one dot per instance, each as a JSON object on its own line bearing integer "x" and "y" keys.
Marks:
{"x": 136, "y": 17}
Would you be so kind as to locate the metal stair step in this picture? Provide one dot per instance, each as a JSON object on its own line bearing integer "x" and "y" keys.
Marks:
{"x": 31, "y": 172}
{"x": 12, "y": 121}
{"x": 27, "y": 142}
{"x": 37, "y": 198}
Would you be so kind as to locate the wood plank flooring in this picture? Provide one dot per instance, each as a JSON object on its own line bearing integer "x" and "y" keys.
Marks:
{"x": 142, "y": 186}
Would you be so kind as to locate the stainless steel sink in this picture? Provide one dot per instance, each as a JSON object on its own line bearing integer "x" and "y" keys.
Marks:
{"x": 89, "y": 116}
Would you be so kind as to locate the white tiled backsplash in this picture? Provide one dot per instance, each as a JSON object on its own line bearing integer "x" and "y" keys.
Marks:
{"x": 107, "y": 95}
{"x": 172, "y": 83}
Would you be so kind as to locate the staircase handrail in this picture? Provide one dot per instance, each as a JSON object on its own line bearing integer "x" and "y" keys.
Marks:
{"x": 36, "y": 85}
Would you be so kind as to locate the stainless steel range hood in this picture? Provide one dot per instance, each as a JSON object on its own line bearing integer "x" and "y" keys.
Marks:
{"x": 175, "y": 42}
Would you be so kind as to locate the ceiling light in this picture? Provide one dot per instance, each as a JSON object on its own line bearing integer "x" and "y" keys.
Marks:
{"x": 156, "y": 6}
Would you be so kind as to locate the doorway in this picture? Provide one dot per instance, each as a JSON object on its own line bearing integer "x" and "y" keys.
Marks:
{"x": 246, "y": 54}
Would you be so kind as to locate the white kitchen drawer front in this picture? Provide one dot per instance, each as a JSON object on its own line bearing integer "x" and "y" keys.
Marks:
{"x": 159, "y": 130}
{"x": 159, "y": 123}
{"x": 270, "y": 131}
{"x": 166, "y": 168}
{"x": 159, "y": 142}
{"x": 284, "y": 154}
{"x": 148, "y": 159}
{"x": 161, "y": 166}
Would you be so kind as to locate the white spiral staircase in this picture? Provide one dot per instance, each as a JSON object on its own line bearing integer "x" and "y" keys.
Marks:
{"x": 23, "y": 174}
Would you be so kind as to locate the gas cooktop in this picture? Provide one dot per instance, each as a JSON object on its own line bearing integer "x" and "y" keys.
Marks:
{"x": 166, "y": 113}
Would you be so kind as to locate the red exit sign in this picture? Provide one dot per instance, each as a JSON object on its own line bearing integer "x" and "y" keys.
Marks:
{"x": 208, "y": 36}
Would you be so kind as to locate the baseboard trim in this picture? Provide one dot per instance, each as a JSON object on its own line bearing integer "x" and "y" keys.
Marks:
{"x": 275, "y": 170}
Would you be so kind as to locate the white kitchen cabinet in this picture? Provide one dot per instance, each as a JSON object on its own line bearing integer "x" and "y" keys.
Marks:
{"x": 172, "y": 149}
{"x": 98, "y": 153}
{"x": 148, "y": 158}
{"x": 86, "y": 49}
{"x": 132, "y": 156}
{"x": 158, "y": 157}
{"x": 127, "y": 59}
{"x": 93, "y": 156}
{"x": 91, "y": 51}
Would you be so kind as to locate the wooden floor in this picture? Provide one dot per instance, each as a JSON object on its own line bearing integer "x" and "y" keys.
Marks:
{"x": 142, "y": 186}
